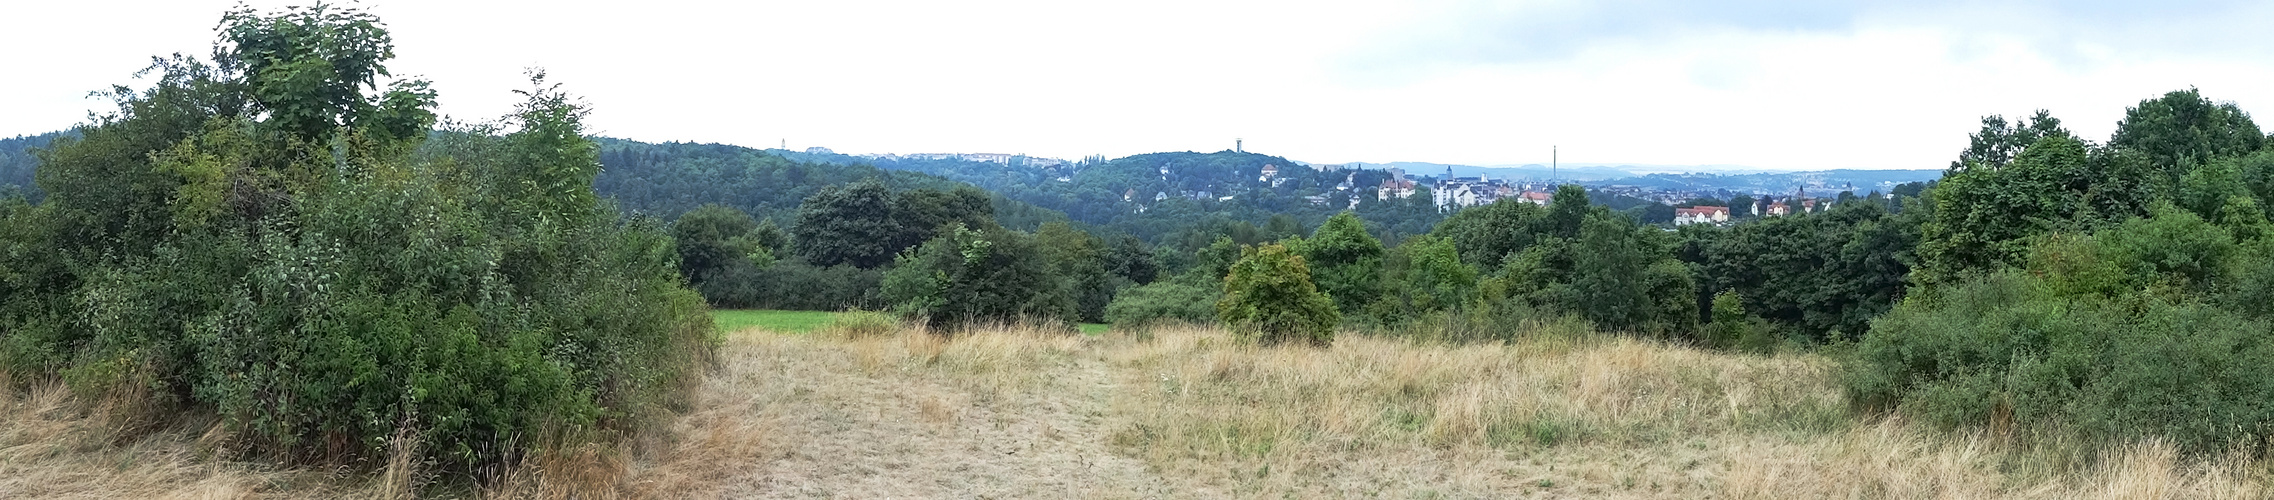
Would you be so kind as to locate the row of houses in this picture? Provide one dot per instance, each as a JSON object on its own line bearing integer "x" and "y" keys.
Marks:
{"x": 1763, "y": 207}
{"x": 1000, "y": 158}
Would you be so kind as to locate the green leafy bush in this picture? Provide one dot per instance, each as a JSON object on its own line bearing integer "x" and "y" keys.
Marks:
{"x": 966, "y": 275}
{"x": 1269, "y": 298}
{"x": 1732, "y": 328}
{"x": 272, "y": 245}
{"x": 1345, "y": 261}
{"x": 2104, "y": 336}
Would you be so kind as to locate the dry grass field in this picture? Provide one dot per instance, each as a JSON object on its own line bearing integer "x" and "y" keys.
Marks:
{"x": 854, "y": 411}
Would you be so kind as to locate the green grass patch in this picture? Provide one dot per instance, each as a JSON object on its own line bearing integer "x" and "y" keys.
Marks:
{"x": 730, "y": 320}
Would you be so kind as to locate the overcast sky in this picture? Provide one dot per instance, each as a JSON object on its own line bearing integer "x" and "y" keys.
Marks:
{"x": 1797, "y": 84}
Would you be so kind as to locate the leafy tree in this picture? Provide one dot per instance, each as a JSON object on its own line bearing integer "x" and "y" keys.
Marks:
{"x": 714, "y": 238}
{"x": 1434, "y": 279}
{"x": 2183, "y": 128}
{"x": 1079, "y": 262}
{"x": 1814, "y": 274}
{"x": 1741, "y": 206}
{"x": 1215, "y": 261}
{"x": 1486, "y": 235}
{"x": 1567, "y": 210}
{"x": 1982, "y": 217}
{"x": 1999, "y": 142}
{"x": 1611, "y": 272}
{"x": 923, "y": 214}
{"x": 1346, "y": 262}
{"x": 1269, "y": 297}
{"x": 1131, "y": 259}
{"x": 307, "y": 67}
{"x": 853, "y": 224}
{"x": 967, "y": 275}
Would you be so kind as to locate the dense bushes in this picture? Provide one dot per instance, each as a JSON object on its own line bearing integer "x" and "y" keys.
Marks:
{"x": 1822, "y": 276}
{"x": 2110, "y": 292}
{"x": 244, "y": 239}
{"x": 2115, "y": 335}
{"x": 1600, "y": 267}
{"x": 968, "y": 275}
{"x": 795, "y": 285}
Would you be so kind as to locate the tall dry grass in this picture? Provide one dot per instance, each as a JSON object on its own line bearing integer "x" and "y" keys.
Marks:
{"x": 1566, "y": 413}
{"x": 860, "y": 410}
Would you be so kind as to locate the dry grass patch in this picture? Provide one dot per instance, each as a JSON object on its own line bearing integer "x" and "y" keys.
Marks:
{"x": 1188, "y": 413}
{"x": 54, "y": 445}
{"x": 1569, "y": 415}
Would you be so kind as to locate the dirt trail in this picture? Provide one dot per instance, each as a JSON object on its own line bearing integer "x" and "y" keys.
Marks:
{"x": 836, "y": 430}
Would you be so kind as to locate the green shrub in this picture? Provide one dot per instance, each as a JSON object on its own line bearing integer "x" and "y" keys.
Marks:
{"x": 1269, "y": 298}
{"x": 2100, "y": 337}
{"x": 966, "y": 276}
{"x": 1732, "y": 328}
{"x": 1345, "y": 261}
{"x": 792, "y": 284}
{"x": 299, "y": 269}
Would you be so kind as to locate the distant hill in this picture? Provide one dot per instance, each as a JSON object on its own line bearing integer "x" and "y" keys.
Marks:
{"x": 1154, "y": 196}
{"x": 669, "y": 179}
{"x": 17, "y": 162}
{"x": 1540, "y": 173}
{"x": 1697, "y": 178}
{"x": 1824, "y": 182}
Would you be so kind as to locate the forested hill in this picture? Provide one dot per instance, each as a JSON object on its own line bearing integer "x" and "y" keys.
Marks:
{"x": 670, "y": 179}
{"x": 1161, "y": 196}
{"x": 17, "y": 162}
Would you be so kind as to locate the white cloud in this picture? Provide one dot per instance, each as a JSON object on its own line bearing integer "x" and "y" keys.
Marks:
{"x": 1774, "y": 84}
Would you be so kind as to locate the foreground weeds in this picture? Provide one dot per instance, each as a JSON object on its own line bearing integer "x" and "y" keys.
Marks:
{"x": 858, "y": 411}
{"x": 1574, "y": 415}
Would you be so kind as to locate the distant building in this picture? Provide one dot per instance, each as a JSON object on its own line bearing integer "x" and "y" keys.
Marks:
{"x": 988, "y": 157}
{"x": 1700, "y": 215}
{"x": 1393, "y": 189}
{"x": 1536, "y": 197}
{"x": 1469, "y": 191}
{"x": 818, "y": 150}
